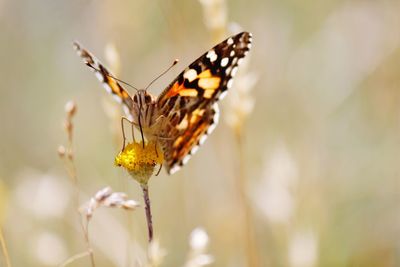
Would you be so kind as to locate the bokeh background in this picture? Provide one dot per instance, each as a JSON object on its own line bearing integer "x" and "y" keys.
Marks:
{"x": 303, "y": 169}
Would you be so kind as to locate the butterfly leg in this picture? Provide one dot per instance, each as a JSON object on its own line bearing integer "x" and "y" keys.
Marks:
{"x": 123, "y": 118}
{"x": 155, "y": 148}
{"x": 132, "y": 131}
{"x": 158, "y": 123}
{"x": 159, "y": 170}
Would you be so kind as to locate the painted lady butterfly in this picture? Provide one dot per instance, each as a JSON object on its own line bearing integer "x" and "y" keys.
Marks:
{"x": 186, "y": 112}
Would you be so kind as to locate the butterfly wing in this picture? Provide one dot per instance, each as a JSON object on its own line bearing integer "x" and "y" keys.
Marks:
{"x": 189, "y": 105}
{"x": 106, "y": 78}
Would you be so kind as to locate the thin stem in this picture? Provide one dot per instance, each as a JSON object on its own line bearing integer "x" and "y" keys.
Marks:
{"x": 4, "y": 248}
{"x": 129, "y": 226}
{"x": 146, "y": 197}
{"x": 251, "y": 248}
{"x": 74, "y": 258}
{"x": 88, "y": 247}
{"x": 85, "y": 229}
{"x": 71, "y": 169}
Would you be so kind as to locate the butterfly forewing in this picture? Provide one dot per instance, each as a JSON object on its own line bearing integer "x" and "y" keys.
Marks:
{"x": 106, "y": 78}
{"x": 189, "y": 102}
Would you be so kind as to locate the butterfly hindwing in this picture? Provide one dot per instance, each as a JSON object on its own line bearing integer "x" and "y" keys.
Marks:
{"x": 187, "y": 136}
{"x": 189, "y": 102}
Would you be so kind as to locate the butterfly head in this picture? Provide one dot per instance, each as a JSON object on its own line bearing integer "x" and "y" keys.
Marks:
{"x": 142, "y": 109}
{"x": 142, "y": 98}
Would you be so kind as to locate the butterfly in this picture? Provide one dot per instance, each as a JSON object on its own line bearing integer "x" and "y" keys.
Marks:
{"x": 186, "y": 112}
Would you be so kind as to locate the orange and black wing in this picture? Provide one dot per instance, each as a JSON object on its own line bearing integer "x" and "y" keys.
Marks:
{"x": 189, "y": 103}
{"x": 106, "y": 78}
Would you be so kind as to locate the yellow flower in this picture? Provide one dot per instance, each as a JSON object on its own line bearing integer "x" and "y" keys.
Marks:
{"x": 140, "y": 161}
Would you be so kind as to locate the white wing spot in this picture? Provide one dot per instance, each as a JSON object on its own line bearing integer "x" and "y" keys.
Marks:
{"x": 174, "y": 169}
{"x": 234, "y": 70}
{"x": 117, "y": 98}
{"x": 240, "y": 61}
{"x": 234, "y": 60}
{"x": 185, "y": 159}
{"x": 228, "y": 70}
{"x": 215, "y": 119}
{"x": 216, "y": 110}
{"x": 194, "y": 150}
{"x": 202, "y": 139}
{"x": 249, "y": 45}
{"x": 224, "y": 62}
{"x": 229, "y": 84}
{"x": 212, "y": 55}
{"x": 232, "y": 53}
{"x": 222, "y": 95}
{"x": 211, "y": 128}
{"x": 230, "y": 41}
{"x": 99, "y": 75}
{"x": 107, "y": 87}
{"x": 190, "y": 75}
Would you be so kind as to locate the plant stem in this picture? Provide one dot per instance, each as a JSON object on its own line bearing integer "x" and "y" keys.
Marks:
{"x": 85, "y": 229}
{"x": 146, "y": 197}
{"x": 4, "y": 248}
{"x": 88, "y": 247}
{"x": 250, "y": 244}
{"x": 74, "y": 258}
{"x": 71, "y": 170}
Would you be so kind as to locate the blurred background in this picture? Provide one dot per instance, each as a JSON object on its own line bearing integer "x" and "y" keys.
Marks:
{"x": 303, "y": 169}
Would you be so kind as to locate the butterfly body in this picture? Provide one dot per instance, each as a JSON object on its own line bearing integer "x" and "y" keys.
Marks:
{"x": 142, "y": 112}
{"x": 186, "y": 112}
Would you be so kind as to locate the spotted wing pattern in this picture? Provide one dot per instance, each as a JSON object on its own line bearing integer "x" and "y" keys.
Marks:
{"x": 186, "y": 112}
{"x": 106, "y": 78}
{"x": 189, "y": 104}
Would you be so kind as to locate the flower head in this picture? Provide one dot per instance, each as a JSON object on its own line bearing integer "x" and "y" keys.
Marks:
{"x": 140, "y": 160}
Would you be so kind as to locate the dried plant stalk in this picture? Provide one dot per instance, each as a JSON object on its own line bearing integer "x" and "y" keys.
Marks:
{"x": 67, "y": 154}
{"x": 250, "y": 242}
{"x": 4, "y": 249}
{"x": 140, "y": 160}
{"x": 149, "y": 218}
{"x": 215, "y": 16}
{"x": 107, "y": 198}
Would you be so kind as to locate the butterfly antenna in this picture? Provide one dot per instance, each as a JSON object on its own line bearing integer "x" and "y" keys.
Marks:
{"x": 165, "y": 71}
{"x": 115, "y": 78}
